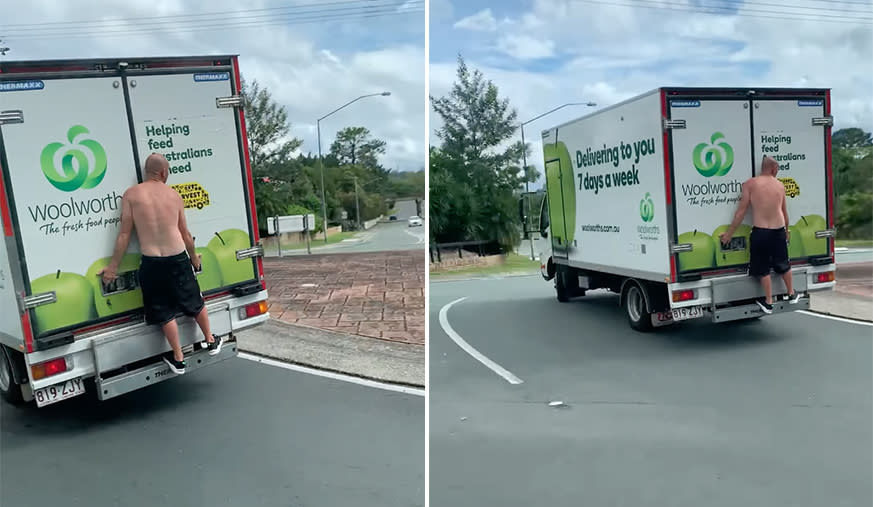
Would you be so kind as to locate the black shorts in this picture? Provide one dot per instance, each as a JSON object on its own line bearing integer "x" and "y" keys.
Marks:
{"x": 768, "y": 249}
{"x": 169, "y": 288}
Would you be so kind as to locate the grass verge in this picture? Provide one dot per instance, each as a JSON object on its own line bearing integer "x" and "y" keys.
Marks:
{"x": 854, "y": 243}
{"x": 514, "y": 264}
{"x": 314, "y": 243}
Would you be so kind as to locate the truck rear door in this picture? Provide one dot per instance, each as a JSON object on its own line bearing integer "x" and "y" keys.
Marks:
{"x": 718, "y": 139}
{"x": 179, "y": 115}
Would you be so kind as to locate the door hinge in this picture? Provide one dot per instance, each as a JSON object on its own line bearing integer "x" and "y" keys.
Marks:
{"x": 11, "y": 116}
{"x": 232, "y": 101}
{"x": 823, "y": 121}
{"x": 250, "y": 253}
{"x": 681, "y": 247}
{"x": 827, "y": 233}
{"x": 673, "y": 124}
{"x": 44, "y": 298}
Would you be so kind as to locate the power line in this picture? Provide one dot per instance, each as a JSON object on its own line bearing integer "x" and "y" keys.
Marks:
{"x": 150, "y": 20}
{"x": 270, "y": 21}
{"x": 723, "y": 10}
{"x": 828, "y": 3}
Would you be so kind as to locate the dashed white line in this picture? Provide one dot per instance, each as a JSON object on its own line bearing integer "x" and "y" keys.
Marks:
{"x": 838, "y": 319}
{"x": 459, "y": 340}
{"x": 333, "y": 376}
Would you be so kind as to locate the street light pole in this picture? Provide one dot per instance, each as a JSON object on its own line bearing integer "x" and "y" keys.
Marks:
{"x": 524, "y": 155}
{"x": 321, "y": 159}
{"x": 357, "y": 205}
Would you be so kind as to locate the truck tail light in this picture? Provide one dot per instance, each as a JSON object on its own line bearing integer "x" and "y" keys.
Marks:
{"x": 253, "y": 310}
{"x": 827, "y": 276}
{"x": 683, "y": 295}
{"x": 49, "y": 368}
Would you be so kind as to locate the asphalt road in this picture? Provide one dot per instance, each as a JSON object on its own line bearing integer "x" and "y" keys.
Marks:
{"x": 389, "y": 236}
{"x": 405, "y": 209}
{"x": 236, "y": 434}
{"x": 764, "y": 413}
{"x": 854, "y": 255}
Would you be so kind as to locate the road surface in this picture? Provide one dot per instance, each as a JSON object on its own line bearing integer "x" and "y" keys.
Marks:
{"x": 764, "y": 413}
{"x": 384, "y": 237}
{"x": 405, "y": 209}
{"x": 239, "y": 433}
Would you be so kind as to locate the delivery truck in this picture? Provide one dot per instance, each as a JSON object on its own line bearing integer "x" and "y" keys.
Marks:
{"x": 637, "y": 194}
{"x": 74, "y": 135}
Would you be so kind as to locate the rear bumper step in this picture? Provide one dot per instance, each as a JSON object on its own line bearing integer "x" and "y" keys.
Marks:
{"x": 752, "y": 310}
{"x": 159, "y": 371}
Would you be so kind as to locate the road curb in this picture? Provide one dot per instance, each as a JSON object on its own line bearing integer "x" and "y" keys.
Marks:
{"x": 359, "y": 356}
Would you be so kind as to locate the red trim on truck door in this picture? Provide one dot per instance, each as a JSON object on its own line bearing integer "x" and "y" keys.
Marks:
{"x": 668, "y": 184}
{"x": 251, "y": 184}
{"x": 28, "y": 331}
{"x": 5, "y": 213}
{"x": 829, "y": 170}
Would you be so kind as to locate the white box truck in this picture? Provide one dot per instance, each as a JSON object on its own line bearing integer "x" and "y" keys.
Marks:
{"x": 637, "y": 195}
{"x": 73, "y": 138}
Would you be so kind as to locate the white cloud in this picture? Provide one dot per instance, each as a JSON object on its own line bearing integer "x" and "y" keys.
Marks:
{"x": 610, "y": 53}
{"x": 482, "y": 21}
{"x": 310, "y": 68}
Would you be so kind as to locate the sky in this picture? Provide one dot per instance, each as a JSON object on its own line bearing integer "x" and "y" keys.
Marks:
{"x": 313, "y": 55}
{"x": 545, "y": 53}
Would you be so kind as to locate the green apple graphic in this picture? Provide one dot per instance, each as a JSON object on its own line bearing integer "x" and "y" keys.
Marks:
{"x": 560, "y": 178}
{"x": 116, "y": 303}
{"x": 795, "y": 243}
{"x": 75, "y": 302}
{"x": 224, "y": 246}
{"x": 702, "y": 255}
{"x": 731, "y": 258}
{"x": 806, "y": 228}
{"x": 210, "y": 271}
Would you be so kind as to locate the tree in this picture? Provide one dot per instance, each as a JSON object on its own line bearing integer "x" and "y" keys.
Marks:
{"x": 354, "y": 146}
{"x": 267, "y": 127}
{"x": 851, "y": 138}
{"x": 475, "y": 177}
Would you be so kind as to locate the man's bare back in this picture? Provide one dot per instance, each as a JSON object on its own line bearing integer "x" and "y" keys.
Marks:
{"x": 767, "y": 195}
{"x": 155, "y": 208}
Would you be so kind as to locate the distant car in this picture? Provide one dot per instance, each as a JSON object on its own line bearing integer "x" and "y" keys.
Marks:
{"x": 415, "y": 221}
{"x": 392, "y": 218}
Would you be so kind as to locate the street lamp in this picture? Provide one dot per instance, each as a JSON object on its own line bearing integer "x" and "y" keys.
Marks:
{"x": 321, "y": 159}
{"x": 524, "y": 152}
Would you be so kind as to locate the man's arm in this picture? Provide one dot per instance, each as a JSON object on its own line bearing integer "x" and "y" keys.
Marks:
{"x": 186, "y": 235}
{"x": 785, "y": 215}
{"x": 741, "y": 211}
{"x": 121, "y": 242}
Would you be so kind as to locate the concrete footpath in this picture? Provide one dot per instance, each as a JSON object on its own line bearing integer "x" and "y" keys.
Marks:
{"x": 852, "y": 298}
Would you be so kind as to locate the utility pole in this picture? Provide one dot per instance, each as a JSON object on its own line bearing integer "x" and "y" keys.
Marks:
{"x": 357, "y": 204}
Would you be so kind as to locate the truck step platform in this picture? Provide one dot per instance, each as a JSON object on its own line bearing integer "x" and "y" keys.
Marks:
{"x": 159, "y": 371}
{"x": 749, "y": 311}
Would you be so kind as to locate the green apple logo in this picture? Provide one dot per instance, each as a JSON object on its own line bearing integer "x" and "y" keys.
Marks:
{"x": 82, "y": 162}
{"x": 561, "y": 188}
{"x": 714, "y": 159}
{"x": 75, "y": 302}
{"x": 702, "y": 255}
{"x": 210, "y": 271}
{"x": 805, "y": 230}
{"x": 224, "y": 247}
{"x": 647, "y": 208}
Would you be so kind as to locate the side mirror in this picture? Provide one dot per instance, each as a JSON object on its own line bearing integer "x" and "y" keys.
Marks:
{"x": 521, "y": 213}
{"x": 544, "y": 234}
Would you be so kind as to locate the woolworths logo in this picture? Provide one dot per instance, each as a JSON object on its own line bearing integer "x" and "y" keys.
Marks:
{"x": 80, "y": 164}
{"x": 647, "y": 208}
{"x": 714, "y": 159}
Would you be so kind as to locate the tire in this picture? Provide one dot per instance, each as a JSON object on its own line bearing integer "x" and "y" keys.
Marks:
{"x": 561, "y": 288}
{"x": 10, "y": 391}
{"x": 634, "y": 300}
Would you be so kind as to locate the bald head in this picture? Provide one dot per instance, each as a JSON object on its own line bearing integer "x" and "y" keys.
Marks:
{"x": 156, "y": 167}
{"x": 769, "y": 166}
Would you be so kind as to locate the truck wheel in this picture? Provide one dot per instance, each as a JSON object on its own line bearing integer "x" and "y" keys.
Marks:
{"x": 635, "y": 307}
{"x": 561, "y": 287}
{"x": 8, "y": 388}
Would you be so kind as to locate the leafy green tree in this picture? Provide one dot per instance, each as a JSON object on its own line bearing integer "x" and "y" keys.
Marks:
{"x": 475, "y": 173}
{"x": 355, "y": 146}
{"x": 851, "y": 138}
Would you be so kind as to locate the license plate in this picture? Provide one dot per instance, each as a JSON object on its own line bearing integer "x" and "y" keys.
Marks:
{"x": 59, "y": 392}
{"x": 677, "y": 314}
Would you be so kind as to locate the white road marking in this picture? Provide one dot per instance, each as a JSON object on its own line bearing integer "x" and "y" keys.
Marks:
{"x": 838, "y": 319}
{"x": 496, "y": 368}
{"x": 334, "y": 376}
{"x": 416, "y": 236}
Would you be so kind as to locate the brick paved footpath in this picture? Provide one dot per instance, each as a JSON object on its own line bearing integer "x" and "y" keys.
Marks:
{"x": 379, "y": 295}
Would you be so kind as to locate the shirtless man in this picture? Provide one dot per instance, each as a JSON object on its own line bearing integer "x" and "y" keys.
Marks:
{"x": 166, "y": 275}
{"x": 769, "y": 239}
